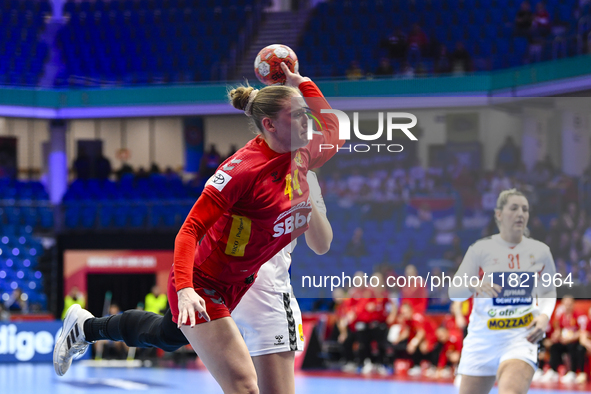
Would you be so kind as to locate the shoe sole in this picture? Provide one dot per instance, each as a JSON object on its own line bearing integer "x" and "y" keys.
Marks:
{"x": 67, "y": 327}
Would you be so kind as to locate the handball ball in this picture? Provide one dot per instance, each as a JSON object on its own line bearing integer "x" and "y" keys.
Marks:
{"x": 267, "y": 64}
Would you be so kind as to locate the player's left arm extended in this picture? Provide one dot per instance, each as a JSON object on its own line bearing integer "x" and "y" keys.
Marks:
{"x": 319, "y": 234}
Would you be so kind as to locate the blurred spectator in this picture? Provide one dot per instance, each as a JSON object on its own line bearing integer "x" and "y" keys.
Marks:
{"x": 17, "y": 302}
{"x": 356, "y": 246}
{"x": 540, "y": 174}
{"x": 537, "y": 229}
{"x": 75, "y": 296}
{"x": 142, "y": 173}
{"x": 563, "y": 249}
{"x": 417, "y": 337}
{"x": 523, "y": 19}
{"x": 439, "y": 294}
{"x": 416, "y": 173}
{"x": 566, "y": 187}
{"x": 568, "y": 325}
{"x": 336, "y": 186}
{"x": 407, "y": 70}
{"x": 413, "y": 293}
{"x": 156, "y": 301}
{"x": 171, "y": 175}
{"x": 586, "y": 335}
{"x": 370, "y": 324}
{"x": 354, "y": 71}
{"x": 4, "y": 314}
{"x": 500, "y": 182}
{"x": 539, "y": 31}
{"x": 356, "y": 181}
{"x": 549, "y": 164}
{"x": 125, "y": 169}
{"x": 586, "y": 241}
{"x": 569, "y": 219}
{"x": 417, "y": 43}
{"x": 154, "y": 169}
{"x": 102, "y": 167}
{"x": 385, "y": 68}
{"x": 509, "y": 156}
{"x": 397, "y": 45}
{"x": 443, "y": 63}
{"x": 446, "y": 354}
{"x": 343, "y": 332}
{"x": 460, "y": 59}
{"x": 541, "y": 22}
{"x": 82, "y": 165}
{"x": 210, "y": 161}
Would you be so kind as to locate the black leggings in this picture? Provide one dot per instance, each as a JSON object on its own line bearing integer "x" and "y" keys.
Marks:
{"x": 348, "y": 353}
{"x": 377, "y": 332}
{"x": 576, "y": 352}
{"x": 137, "y": 329}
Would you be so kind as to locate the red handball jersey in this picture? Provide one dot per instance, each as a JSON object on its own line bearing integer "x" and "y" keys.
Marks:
{"x": 416, "y": 296}
{"x": 572, "y": 322}
{"x": 421, "y": 322}
{"x": 453, "y": 344}
{"x": 259, "y": 201}
{"x": 372, "y": 310}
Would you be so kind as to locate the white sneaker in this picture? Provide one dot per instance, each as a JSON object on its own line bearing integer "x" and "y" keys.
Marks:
{"x": 71, "y": 341}
{"x": 570, "y": 377}
{"x": 538, "y": 375}
{"x": 431, "y": 372}
{"x": 415, "y": 371}
{"x": 384, "y": 371}
{"x": 551, "y": 376}
{"x": 581, "y": 378}
{"x": 349, "y": 367}
{"x": 446, "y": 373}
{"x": 367, "y": 367}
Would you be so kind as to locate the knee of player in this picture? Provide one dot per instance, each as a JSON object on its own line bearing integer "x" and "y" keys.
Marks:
{"x": 247, "y": 385}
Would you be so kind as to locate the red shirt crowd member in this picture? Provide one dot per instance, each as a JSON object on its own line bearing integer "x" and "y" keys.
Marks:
{"x": 586, "y": 336}
{"x": 416, "y": 328}
{"x": 569, "y": 327}
{"x": 451, "y": 346}
{"x": 413, "y": 293}
{"x": 372, "y": 310}
{"x": 345, "y": 314}
{"x": 568, "y": 323}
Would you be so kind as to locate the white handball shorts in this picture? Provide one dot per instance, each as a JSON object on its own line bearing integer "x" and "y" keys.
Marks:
{"x": 270, "y": 322}
{"x": 482, "y": 358}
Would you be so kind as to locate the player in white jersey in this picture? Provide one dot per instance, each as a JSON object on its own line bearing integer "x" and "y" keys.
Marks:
{"x": 269, "y": 317}
{"x": 508, "y": 319}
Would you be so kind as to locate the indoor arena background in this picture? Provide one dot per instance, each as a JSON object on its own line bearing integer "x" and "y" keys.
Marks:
{"x": 113, "y": 115}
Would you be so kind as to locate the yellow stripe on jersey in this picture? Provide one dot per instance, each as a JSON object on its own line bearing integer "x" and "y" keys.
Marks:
{"x": 239, "y": 236}
{"x": 508, "y": 323}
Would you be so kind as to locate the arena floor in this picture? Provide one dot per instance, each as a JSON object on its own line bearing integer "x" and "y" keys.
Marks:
{"x": 40, "y": 378}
